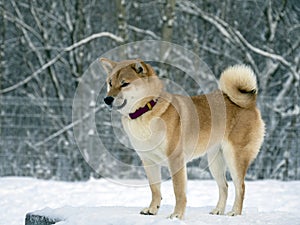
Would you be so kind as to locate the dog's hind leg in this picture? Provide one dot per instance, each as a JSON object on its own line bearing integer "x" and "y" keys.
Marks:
{"x": 154, "y": 176}
{"x": 238, "y": 166}
{"x": 217, "y": 168}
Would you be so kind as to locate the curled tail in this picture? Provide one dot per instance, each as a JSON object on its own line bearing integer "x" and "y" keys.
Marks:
{"x": 239, "y": 83}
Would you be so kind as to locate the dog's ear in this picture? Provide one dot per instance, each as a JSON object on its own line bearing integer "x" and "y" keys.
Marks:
{"x": 108, "y": 64}
{"x": 140, "y": 67}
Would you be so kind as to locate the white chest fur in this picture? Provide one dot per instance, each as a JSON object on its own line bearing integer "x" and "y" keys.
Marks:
{"x": 148, "y": 138}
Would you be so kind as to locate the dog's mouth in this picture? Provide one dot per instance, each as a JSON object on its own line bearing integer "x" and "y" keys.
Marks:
{"x": 118, "y": 107}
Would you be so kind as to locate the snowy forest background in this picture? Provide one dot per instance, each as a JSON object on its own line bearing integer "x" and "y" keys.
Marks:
{"x": 45, "y": 47}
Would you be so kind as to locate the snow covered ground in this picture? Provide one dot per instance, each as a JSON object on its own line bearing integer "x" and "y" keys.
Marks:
{"x": 103, "y": 202}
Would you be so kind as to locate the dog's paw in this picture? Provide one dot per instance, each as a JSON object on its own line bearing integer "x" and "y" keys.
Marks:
{"x": 176, "y": 216}
{"x": 150, "y": 211}
{"x": 233, "y": 213}
{"x": 217, "y": 211}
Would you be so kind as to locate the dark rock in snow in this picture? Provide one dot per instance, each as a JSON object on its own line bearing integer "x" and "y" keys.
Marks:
{"x": 34, "y": 219}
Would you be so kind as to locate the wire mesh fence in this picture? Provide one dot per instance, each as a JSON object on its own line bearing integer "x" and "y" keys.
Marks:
{"x": 36, "y": 139}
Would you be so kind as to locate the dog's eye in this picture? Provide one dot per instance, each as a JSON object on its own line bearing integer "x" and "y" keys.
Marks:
{"x": 125, "y": 84}
{"x": 110, "y": 84}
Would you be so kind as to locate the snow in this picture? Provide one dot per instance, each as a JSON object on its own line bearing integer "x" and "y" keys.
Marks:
{"x": 105, "y": 202}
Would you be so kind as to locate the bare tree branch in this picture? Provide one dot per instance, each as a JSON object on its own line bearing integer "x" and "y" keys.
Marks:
{"x": 92, "y": 37}
{"x": 142, "y": 31}
{"x": 58, "y": 56}
{"x": 276, "y": 57}
{"x": 234, "y": 35}
{"x": 68, "y": 127}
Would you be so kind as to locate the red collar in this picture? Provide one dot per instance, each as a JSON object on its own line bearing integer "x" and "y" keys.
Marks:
{"x": 142, "y": 110}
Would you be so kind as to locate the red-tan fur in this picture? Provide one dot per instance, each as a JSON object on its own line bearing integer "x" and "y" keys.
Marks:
{"x": 225, "y": 124}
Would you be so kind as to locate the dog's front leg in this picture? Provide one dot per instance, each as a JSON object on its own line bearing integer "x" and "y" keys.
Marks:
{"x": 154, "y": 177}
{"x": 179, "y": 178}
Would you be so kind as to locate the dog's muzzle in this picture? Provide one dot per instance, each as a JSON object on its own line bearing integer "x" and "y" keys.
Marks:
{"x": 109, "y": 102}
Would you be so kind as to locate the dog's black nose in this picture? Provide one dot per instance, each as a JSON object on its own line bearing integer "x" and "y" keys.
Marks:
{"x": 109, "y": 100}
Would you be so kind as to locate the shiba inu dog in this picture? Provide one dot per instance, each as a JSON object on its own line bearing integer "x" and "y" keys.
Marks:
{"x": 169, "y": 130}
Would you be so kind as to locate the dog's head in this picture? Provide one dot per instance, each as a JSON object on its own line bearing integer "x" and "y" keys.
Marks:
{"x": 130, "y": 84}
